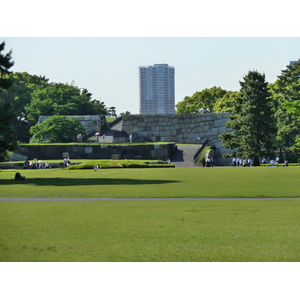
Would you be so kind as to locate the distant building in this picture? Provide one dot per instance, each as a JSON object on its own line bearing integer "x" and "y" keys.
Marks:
{"x": 157, "y": 90}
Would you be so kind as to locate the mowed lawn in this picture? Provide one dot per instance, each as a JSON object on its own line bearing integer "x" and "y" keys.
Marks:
{"x": 180, "y": 182}
{"x": 152, "y": 230}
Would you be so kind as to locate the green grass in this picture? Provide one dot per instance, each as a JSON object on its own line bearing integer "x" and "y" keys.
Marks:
{"x": 175, "y": 230}
{"x": 172, "y": 182}
{"x": 152, "y": 230}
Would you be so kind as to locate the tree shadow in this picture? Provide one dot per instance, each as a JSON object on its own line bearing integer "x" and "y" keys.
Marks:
{"x": 60, "y": 181}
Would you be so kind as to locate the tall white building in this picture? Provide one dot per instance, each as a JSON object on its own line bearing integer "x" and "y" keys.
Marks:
{"x": 157, "y": 90}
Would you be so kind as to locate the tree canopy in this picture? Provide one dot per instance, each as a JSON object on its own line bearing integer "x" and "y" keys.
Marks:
{"x": 57, "y": 129}
{"x": 62, "y": 99}
{"x": 7, "y": 113}
{"x": 200, "y": 102}
{"x": 285, "y": 92}
{"x": 251, "y": 120}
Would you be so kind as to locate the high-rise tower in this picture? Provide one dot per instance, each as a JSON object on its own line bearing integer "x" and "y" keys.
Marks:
{"x": 157, "y": 91}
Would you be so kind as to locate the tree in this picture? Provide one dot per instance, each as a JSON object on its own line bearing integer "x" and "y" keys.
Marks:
{"x": 112, "y": 111}
{"x": 6, "y": 112}
{"x": 285, "y": 93}
{"x": 57, "y": 129}
{"x": 226, "y": 103}
{"x": 19, "y": 95}
{"x": 251, "y": 120}
{"x": 125, "y": 113}
{"x": 200, "y": 102}
{"x": 62, "y": 99}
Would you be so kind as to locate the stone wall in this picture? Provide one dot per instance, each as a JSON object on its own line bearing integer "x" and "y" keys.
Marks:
{"x": 181, "y": 129}
{"x": 98, "y": 151}
{"x": 91, "y": 123}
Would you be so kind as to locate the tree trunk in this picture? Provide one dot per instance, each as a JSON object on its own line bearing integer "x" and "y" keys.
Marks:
{"x": 256, "y": 161}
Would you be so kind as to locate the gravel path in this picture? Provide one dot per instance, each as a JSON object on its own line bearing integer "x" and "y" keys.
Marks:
{"x": 41, "y": 199}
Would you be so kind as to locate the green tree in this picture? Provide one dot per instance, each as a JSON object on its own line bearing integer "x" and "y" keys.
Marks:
{"x": 62, "y": 99}
{"x": 57, "y": 129}
{"x": 200, "y": 102}
{"x": 19, "y": 95}
{"x": 226, "y": 103}
{"x": 251, "y": 120}
{"x": 125, "y": 113}
{"x": 285, "y": 92}
{"x": 7, "y": 114}
{"x": 112, "y": 111}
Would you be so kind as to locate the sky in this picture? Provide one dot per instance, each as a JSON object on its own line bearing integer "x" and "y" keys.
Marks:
{"x": 109, "y": 66}
{"x": 100, "y": 46}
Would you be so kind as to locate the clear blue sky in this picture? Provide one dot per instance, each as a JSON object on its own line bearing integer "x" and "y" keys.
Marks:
{"x": 108, "y": 67}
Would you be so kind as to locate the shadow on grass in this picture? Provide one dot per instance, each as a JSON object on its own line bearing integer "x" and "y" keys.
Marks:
{"x": 84, "y": 181}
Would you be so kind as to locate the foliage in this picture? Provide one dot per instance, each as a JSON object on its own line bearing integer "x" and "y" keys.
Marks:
{"x": 251, "y": 120}
{"x": 202, "y": 155}
{"x": 57, "y": 129}
{"x": 125, "y": 113}
{"x": 19, "y": 95}
{"x": 226, "y": 103}
{"x": 285, "y": 93}
{"x": 109, "y": 164}
{"x": 112, "y": 111}
{"x": 200, "y": 102}
{"x": 7, "y": 113}
{"x": 62, "y": 99}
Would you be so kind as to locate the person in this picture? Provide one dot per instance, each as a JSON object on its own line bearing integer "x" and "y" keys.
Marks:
{"x": 47, "y": 166}
{"x": 65, "y": 162}
{"x": 208, "y": 161}
{"x": 203, "y": 162}
{"x": 234, "y": 162}
{"x": 103, "y": 138}
{"x": 273, "y": 163}
{"x": 40, "y": 164}
{"x": 96, "y": 167}
{"x": 97, "y": 136}
{"x": 130, "y": 138}
{"x": 68, "y": 162}
{"x": 19, "y": 177}
{"x": 238, "y": 161}
{"x": 26, "y": 164}
{"x": 263, "y": 161}
{"x": 79, "y": 138}
{"x": 277, "y": 160}
{"x": 285, "y": 163}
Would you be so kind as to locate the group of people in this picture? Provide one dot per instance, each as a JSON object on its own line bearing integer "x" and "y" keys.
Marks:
{"x": 240, "y": 162}
{"x": 276, "y": 162}
{"x": 208, "y": 162}
{"x": 36, "y": 164}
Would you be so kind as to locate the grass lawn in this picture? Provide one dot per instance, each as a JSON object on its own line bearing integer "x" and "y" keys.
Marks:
{"x": 152, "y": 230}
{"x": 180, "y": 182}
{"x": 174, "y": 230}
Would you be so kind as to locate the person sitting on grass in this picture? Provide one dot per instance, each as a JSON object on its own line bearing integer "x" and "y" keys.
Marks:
{"x": 286, "y": 163}
{"x": 96, "y": 167}
{"x": 273, "y": 163}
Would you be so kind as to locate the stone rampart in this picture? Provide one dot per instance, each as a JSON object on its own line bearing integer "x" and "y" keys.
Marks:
{"x": 97, "y": 151}
{"x": 181, "y": 129}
